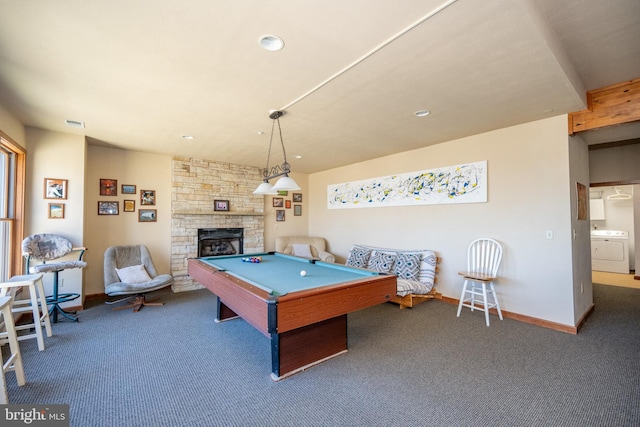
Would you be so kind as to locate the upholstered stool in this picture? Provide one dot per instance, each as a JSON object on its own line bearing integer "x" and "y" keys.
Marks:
{"x": 14, "y": 362}
{"x": 36, "y": 304}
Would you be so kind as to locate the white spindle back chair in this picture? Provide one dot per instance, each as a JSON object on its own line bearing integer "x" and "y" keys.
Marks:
{"x": 483, "y": 260}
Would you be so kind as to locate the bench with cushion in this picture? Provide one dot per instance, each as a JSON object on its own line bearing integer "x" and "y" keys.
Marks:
{"x": 415, "y": 269}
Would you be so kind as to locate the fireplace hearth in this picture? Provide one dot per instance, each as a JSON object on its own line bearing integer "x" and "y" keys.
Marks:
{"x": 220, "y": 241}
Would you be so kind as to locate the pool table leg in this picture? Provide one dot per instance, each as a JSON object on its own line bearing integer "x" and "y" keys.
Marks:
{"x": 223, "y": 312}
{"x": 299, "y": 349}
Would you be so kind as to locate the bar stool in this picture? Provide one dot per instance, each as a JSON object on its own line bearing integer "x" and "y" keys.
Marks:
{"x": 14, "y": 362}
{"x": 33, "y": 282}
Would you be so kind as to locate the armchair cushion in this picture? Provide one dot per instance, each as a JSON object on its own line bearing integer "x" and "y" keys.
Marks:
{"x": 302, "y": 250}
{"x": 133, "y": 274}
{"x": 118, "y": 258}
{"x": 317, "y": 247}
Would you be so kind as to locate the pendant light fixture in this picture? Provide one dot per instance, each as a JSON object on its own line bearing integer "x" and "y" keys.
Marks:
{"x": 285, "y": 183}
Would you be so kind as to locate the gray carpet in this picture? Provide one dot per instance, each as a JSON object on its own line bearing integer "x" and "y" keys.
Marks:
{"x": 173, "y": 366}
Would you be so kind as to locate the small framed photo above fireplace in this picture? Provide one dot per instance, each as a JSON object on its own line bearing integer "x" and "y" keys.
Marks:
{"x": 280, "y": 215}
{"x": 221, "y": 205}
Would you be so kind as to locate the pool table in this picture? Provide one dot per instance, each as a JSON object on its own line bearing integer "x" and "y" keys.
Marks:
{"x": 305, "y": 317}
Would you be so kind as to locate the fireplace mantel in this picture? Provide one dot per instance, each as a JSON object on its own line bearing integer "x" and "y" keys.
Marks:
{"x": 217, "y": 213}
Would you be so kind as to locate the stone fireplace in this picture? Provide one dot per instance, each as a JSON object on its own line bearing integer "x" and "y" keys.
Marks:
{"x": 220, "y": 241}
{"x": 195, "y": 186}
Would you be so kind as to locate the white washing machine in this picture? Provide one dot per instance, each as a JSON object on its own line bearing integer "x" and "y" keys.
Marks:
{"x": 610, "y": 251}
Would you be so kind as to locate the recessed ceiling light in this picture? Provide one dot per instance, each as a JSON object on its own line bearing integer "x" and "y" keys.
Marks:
{"x": 298, "y": 156}
{"x": 188, "y": 137}
{"x": 271, "y": 43}
{"x": 422, "y": 113}
{"x": 74, "y": 123}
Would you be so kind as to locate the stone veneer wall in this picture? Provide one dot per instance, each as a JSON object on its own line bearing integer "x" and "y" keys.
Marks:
{"x": 195, "y": 185}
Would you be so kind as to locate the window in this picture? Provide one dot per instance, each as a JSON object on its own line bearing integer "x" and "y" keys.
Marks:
{"x": 12, "y": 174}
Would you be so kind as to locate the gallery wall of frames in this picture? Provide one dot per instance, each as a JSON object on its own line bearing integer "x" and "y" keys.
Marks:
{"x": 114, "y": 197}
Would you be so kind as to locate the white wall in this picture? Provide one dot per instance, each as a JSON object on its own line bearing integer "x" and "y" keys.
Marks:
{"x": 147, "y": 172}
{"x": 12, "y": 127}
{"x": 63, "y": 156}
{"x": 529, "y": 192}
{"x": 292, "y": 225}
{"x": 581, "y": 233}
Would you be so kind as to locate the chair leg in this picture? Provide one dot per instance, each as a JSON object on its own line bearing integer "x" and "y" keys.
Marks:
{"x": 495, "y": 300}
{"x": 138, "y": 303}
{"x": 464, "y": 291}
{"x": 35, "y": 310}
{"x": 56, "y": 299}
{"x": 486, "y": 306}
{"x": 44, "y": 320}
{"x": 14, "y": 362}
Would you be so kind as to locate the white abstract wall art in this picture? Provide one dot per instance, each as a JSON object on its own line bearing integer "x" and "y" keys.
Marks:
{"x": 452, "y": 184}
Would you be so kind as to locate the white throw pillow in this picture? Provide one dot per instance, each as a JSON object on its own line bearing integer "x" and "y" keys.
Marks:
{"x": 133, "y": 274}
{"x": 302, "y": 250}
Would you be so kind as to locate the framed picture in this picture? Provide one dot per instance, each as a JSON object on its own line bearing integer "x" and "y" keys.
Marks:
{"x": 297, "y": 197}
{"x": 278, "y": 202}
{"x": 129, "y": 206}
{"x": 287, "y": 204}
{"x": 108, "y": 208}
{"x": 221, "y": 205}
{"x": 128, "y": 189}
{"x": 297, "y": 210}
{"x": 56, "y": 210}
{"x": 108, "y": 187}
{"x": 280, "y": 215}
{"x": 147, "y": 215}
{"x": 147, "y": 197}
{"x": 283, "y": 192}
{"x": 583, "y": 199}
{"x": 55, "y": 188}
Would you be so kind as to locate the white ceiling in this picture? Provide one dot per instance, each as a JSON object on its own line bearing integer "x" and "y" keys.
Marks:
{"x": 142, "y": 73}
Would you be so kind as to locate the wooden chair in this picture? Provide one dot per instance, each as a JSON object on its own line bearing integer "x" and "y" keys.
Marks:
{"x": 35, "y": 304}
{"x": 483, "y": 259}
{"x": 14, "y": 362}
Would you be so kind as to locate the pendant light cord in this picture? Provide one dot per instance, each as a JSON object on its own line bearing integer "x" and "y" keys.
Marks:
{"x": 372, "y": 52}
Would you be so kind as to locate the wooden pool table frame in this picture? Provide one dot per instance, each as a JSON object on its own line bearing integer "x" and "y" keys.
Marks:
{"x": 305, "y": 327}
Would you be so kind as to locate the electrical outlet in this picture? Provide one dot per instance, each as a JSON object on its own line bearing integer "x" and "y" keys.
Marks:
{"x": 61, "y": 283}
{"x": 549, "y": 235}
{"x": 581, "y": 288}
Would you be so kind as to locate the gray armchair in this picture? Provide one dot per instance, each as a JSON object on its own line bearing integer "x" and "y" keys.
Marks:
{"x": 129, "y": 271}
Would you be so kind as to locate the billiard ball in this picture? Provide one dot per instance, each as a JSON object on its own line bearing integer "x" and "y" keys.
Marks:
{"x": 303, "y": 273}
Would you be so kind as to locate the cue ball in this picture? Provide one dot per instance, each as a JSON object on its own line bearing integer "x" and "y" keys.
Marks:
{"x": 303, "y": 273}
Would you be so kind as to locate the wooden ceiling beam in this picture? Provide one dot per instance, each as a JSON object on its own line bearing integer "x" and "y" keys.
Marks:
{"x": 608, "y": 106}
